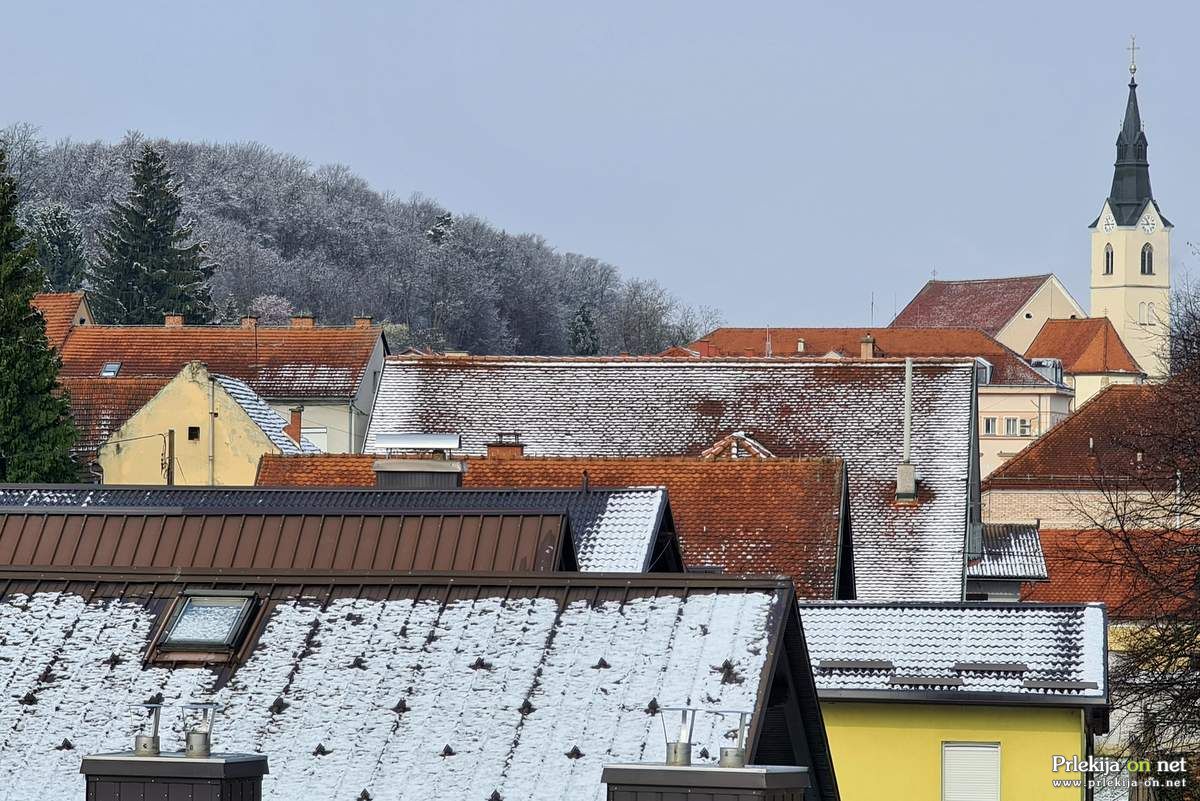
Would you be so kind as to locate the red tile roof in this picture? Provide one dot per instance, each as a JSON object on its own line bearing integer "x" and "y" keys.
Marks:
{"x": 316, "y": 470}
{"x": 987, "y": 304}
{"x": 1091, "y": 442}
{"x": 319, "y": 362}
{"x": 1089, "y": 345}
{"x": 58, "y": 309}
{"x": 1088, "y": 566}
{"x": 747, "y": 516}
{"x": 1008, "y": 366}
{"x": 100, "y": 406}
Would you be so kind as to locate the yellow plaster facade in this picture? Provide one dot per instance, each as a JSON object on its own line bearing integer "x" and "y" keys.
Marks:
{"x": 1052, "y": 300}
{"x": 135, "y": 452}
{"x": 1088, "y": 384}
{"x": 894, "y": 751}
{"x": 1138, "y": 304}
{"x": 1035, "y": 409}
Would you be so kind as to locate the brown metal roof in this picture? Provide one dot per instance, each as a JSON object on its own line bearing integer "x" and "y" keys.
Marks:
{"x": 457, "y": 541}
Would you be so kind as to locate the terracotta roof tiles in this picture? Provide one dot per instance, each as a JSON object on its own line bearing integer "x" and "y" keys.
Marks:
{"x": 1084, "y": 445}
{"x": 1091, "y": 345}
{"x": 746, "y": 516}
{"x": 987, "y": 304}
{"x": 1007, "y": 365}
{"x": 319, "y": 362}
{"x": 99, "y": 406}
{"x": 58, "y": 309}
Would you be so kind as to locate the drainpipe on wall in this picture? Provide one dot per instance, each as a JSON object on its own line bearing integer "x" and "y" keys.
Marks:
{"x": 350, "y": 428}
{"x": 212, "y": 431}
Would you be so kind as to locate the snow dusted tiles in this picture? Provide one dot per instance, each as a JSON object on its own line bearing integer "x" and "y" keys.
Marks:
{"x": 442, "y": 691}
{"x": 622, "y": 407}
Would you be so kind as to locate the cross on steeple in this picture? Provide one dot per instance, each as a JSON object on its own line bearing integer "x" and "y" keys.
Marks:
{"x": 1133, "y": 48}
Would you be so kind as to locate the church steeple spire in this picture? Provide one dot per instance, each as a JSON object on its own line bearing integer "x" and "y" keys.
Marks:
{"x": 1131, "y": 176}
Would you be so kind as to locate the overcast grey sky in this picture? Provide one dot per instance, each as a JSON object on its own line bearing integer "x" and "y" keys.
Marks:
{"x": 778, "y": 160}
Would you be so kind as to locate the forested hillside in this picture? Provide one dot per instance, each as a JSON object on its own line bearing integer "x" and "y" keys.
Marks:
{"x": 285, "y": 235}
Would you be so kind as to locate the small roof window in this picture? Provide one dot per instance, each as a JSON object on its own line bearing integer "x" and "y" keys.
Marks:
{"x": 110, "y": 369}
{"x": 204, "y": 624}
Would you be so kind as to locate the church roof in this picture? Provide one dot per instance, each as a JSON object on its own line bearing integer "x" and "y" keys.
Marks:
{"x": 987, "y": 304}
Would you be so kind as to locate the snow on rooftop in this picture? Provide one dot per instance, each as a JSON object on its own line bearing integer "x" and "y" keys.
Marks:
{"x": 366, "y": 695}
{"x": 619, "y": 408}
{"x": 270, "y": 421}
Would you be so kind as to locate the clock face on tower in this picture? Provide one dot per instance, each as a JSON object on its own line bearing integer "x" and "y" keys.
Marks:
{"x": 1148, "y": 224}
{"x": 1109, "y": 224}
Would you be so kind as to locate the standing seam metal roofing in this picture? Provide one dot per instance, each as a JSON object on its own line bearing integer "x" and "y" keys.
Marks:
{"x": 533, "y": 682}
{"x": 676, "y": 407}
{"x": 148, "y": 538}
{"x": 614, "y": 530}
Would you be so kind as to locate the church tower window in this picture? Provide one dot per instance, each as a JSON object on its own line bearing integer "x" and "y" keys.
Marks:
{"x": 1147, "y": 259}
{"x": 1108, "y": 260}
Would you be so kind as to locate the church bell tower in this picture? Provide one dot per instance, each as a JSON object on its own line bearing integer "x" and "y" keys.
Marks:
{"x": 1131, "y": 247}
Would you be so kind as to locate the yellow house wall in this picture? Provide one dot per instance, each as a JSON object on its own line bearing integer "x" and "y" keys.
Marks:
{"x": 894, "y": 751}
{"x": 183, "y": 402}
{"x": 1043, "y": 409}
{"x": 1050, "y": 301}
{"x": 1088, "y": 384}
{"x": 1055, "y": 508}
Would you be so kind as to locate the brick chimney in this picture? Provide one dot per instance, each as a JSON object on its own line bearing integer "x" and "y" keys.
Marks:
{"x": 249, "y": 321}
{"x": 293, "y": 428}
{"x": 704, "y": 347}
{"x": 171, "y": 320}
{"x": 507, "y": 446}
{"x": 866, "y": 347}
{"x": 304, "y": 321}
{"x": 363, "y": 321}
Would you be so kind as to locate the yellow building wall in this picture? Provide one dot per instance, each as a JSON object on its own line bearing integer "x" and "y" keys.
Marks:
{"x": 894, "y": 751}
{"x": 1088, "y": 384}
{"x": 134, "y": 453}
{"x": 1049, "y": 302}
{"x": 1043, "y": 409}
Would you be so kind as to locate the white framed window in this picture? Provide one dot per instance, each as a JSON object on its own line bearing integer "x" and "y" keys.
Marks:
{"x": 1011, "y": 426}
{"x": 317, "y": 435}
{"x": 989, "y": 426}
{"x": 970, "y": 771}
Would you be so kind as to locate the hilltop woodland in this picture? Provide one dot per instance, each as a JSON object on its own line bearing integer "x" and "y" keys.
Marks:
{"x": 256, "y": 231}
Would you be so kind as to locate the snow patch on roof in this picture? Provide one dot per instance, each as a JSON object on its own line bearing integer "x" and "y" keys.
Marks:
{"x": 270, "y": 421}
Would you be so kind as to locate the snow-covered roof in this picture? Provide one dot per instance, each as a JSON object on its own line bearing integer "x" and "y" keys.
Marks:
{"x": 614, "y": 530}
{"x": 1010, "y": 551}
{"x": 667, "y": 407}
{"x": 270, "y": 421}
{"x": 1043, "y": 653}
{"x": 426, "y": 687}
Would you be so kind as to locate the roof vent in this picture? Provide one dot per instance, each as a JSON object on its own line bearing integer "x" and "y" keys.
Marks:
{"x": 799, "y": 346}
{"x": 866, "y": 347}
{"x": 906, "y": 474}
{"x": 197, "y": 729}
{"x": 146, "y": 719}
{"x": 679, "y": 749}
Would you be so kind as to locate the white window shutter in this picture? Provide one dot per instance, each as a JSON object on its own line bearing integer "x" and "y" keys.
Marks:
{"x": 970, "y": 772}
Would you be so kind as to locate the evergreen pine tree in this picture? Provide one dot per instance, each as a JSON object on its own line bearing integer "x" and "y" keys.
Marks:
{"x": 59, "y": 247}
{"x": 147, "y": 266}
{"x": 36, "y": 432}
{"x": 582, "y": 335}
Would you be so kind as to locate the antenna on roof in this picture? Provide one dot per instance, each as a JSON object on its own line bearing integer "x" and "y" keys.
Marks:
{"x": 767, "y": 349}
{"x": 872, "y": 309}
{"x": 585, "y": 481}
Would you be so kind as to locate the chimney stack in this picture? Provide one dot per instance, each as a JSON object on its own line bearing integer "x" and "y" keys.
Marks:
{"x": 866, "y": 347}
{"x": 304, "y": 321}
{"x": 906, "y": 474}
{"x": 293, "y": 428}
{"x": 507, "y": 446}
{"x": 171, "y": 320}
{"x": 249, "y": 321}
{"x": 704, "y": 347}
{"x": 363, "y": 321}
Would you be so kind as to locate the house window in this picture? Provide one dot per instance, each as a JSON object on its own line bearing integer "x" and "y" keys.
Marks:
{"x": 1147, "y": 259}
{"x": 989, "y": 426}
{"x": 1141, "y": 314}
{"x": 110, "y": 369}
{"x": 204, "y": 626}
{"x": 970, "y": 772}
{"x": 193, "y": 433}
{"x": 1011, "y": 426}
{"x": 318, "y": 436}
{"x": 1108, "y": 260}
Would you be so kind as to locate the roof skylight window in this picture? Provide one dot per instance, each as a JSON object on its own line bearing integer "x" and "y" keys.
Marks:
{"x": 110, "y": 369}
{"x": 208, "y": 620}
